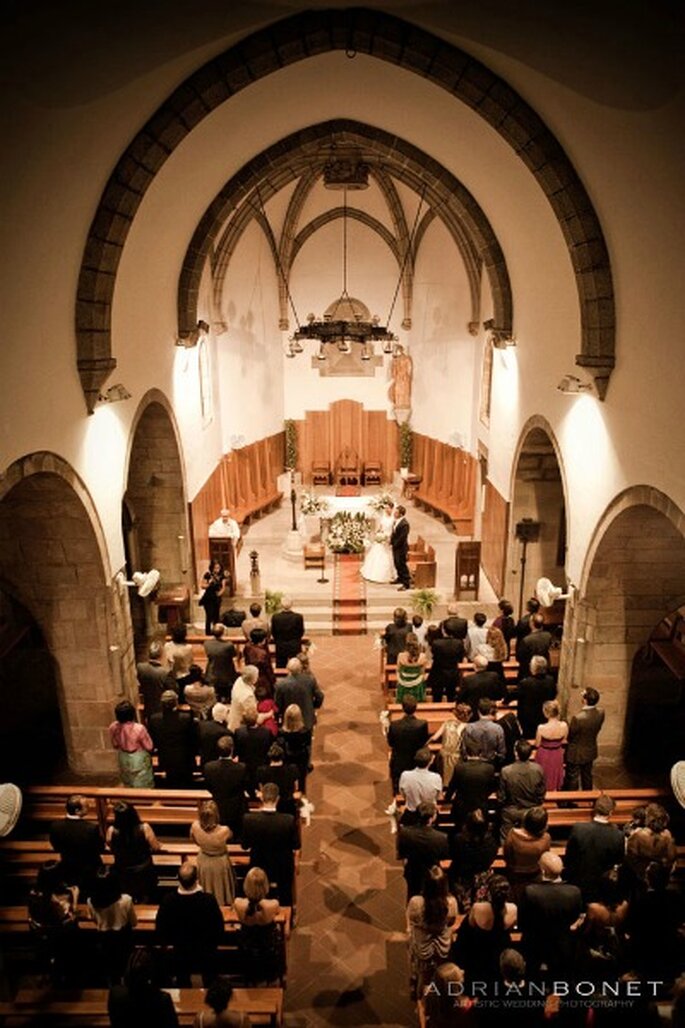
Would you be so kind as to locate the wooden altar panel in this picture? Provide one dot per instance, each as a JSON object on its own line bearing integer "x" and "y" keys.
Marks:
{"x": 494, "y": 537}
{"x": 323, "y": 435}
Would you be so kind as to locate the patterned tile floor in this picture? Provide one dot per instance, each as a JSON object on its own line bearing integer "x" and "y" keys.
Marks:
{"x": 348, "y": 961}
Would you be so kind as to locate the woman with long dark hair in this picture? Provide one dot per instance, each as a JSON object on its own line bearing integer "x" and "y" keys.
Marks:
{"x": 431, "y": 918}
{"x": 486, "y": 932}
{"x": 133, "y": 842}
{"x": 214, "y": 585}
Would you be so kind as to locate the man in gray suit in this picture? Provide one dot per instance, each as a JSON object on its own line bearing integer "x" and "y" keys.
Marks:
{"x": 153, "y": 679}
{"x": 521, "y": 786}
{"x": 581, "y": 750}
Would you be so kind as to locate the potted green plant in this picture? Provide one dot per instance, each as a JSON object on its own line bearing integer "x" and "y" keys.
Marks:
{"x": 272, "y": 602}
{"x": 405, "y": 446}
{"x": 424, "y": 601}
{"x": 290, "y": 444}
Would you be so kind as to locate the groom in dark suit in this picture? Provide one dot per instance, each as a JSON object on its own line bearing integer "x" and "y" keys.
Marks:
{"x": 399, "y": 540}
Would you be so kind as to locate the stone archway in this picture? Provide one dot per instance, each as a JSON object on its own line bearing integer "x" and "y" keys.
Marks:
{"x": 53, "y": 563}
{"x": 154, "y": 511}
{"x": 633, "y": 577}
{"x": 539, "y": 492}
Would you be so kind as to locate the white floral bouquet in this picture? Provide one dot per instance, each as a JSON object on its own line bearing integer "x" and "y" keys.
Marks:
{"x": 381, "y": 501}
{"x": 381, "y": 537}
{"x": 310, "y": 503}
{"x": 347, "y": 533}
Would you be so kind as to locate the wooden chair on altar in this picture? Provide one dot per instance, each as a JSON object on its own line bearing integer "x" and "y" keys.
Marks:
{"x": 347, "y": 468}
{"x": 321, "y": 472}
{"x": 373, "y": 472}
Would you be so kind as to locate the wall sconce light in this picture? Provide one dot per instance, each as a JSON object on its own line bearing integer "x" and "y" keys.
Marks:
{"x": 571, "y": 385}
{"x": 114, "y": 394}
{"x": 191, "y": 339}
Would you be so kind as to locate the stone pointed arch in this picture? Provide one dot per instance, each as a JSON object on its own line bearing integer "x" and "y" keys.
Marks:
{"x": 387, "y": 38}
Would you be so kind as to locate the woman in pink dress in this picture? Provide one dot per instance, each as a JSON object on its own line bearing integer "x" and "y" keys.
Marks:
{"x": 550, "y": 740}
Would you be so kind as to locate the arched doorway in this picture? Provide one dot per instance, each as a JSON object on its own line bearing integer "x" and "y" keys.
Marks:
{"x": 154, "y": 518}
{"x": 634, "y": 579}
{"x": 537, "y": 500}
{"x": 52, "y": 567}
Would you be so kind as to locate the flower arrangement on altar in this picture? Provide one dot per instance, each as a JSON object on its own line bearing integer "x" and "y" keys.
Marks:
{"x": 381, "y": 501}
{"x": 310, "y": 503}
{"x": 347, "y": 533}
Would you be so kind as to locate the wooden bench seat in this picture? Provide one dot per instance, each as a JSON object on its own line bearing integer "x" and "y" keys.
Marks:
{"x": 460, "y": 516}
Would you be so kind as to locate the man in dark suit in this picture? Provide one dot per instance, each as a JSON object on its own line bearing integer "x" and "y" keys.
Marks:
{"x": 227, "y": 781}
{"x": 536, "y": 644}
{"x": 153, "y": 680}
{"x": 523, "y": 626}
{"x": 593, "y": 848}
{"x": 581, "y": 749}
{"x": 221, "y": 672}
{"x": 79, "y": 844}
{"x": 532, "y": 691}
{"x": 287, "y": 629}
{"x": 300, "y": 688}
{"x": 482, "y": 684}
{"x": 190, "y": 921}
{"x": 252, "y": 743}
{"x": 447, "y": 651}
{"x": 546, "y": 915}
{"x": 173, "y": 734}
{"x": 521, "y": 786}
{"x": 395, "y": 635}
{"x": 473, "y": 779}
{"x": 272, "y": 840}
{"x": 399, "y": 541}
{"x": 454, "y": 625}
{"x": 405, "y": 736}
{"x": 421, "y": 846}
{"x": 210, "y": 731}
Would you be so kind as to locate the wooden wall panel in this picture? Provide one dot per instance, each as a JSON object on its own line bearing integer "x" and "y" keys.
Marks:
{"x": 494, "y": 537}
{"x": 448, "y": 480}
{"x": 323, "y": 435}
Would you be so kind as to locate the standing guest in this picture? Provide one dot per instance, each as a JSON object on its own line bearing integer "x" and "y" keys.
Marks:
{"x": 226, "y": 780}
{"x": 260, "y": 941}
{"x": 472, "y": 782}
{"x": 256, "y": 653}
{"x": 496, "y": 650}
{"x": 486, "y": 734}
{"x": 654, "y": 924}
{"x": 191, "y": 923}
{"x": 214, "y": 868}
{"x": 199, "y": 696}
{"x": 449, "y": 733}
{"x": 523, "y": 848}
{"x": 447, "y": 652}
{"x": 405, "y": 736}
{"x": 78, "y": 843}
{"x": 255, "y": 620}
{"x": 272, "y": 840}
{"x": 537, "y": 643}
{"x": 431, "y": 920}
{"x": 593, "y": 848}
{"x": 445, "y": 1004}
{"x": 114, "y": 916}
{"x": 296, "y": 741}
{"x": 251, "y": 744}
{"x": 547, "y": 913}
{"x": 476, "y": 635}
{"x": 287, "y": 629}
{"x": 221, "y": 654}
{"x": 581, "y": 751}
{"x": 132, "y": 844}
{"x": 523, "y": 626}
{"x": 178, "y": 656}
{"x": 301, "y": 688}
{"x": 532, "y": 692}
{"x": 52, "y": 921}
{"x": 173, "y": 734}
{"x": 472, "y": 850}
{"x": 550, "y": 740}
{"x": 285, "y": 776}
{"x": 242, "y": 696}
{"x": 419, "y": 785}
{"x": 395, "y": 635}
{"x": 153, "y": 679}
{"x": 214, "y": 586}
{"x": 651, "y": 843}
{"x": 505, "y": 622}
{"x": 486, "y": 932}
{"x": 217, "y": 998}
{"x": 521, "y": 786}
{"x": 267, "y": 705}
{"x": 411, "y": 670}
{"x": 421, "y": 846}
{"x": 481, "y": 684}
{"x": 601, "y": 940}
{"x": 453, "y": 624}
{"x": 134, "y": 746}
{"x": 140, "y": 1002}
{"x": 419, "y": 628}
{"x": 209, "y": 731}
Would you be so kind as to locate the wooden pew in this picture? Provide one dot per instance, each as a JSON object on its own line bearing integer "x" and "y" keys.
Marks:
{"x": 436, "y": 714}
{"x": 389, "y": 673}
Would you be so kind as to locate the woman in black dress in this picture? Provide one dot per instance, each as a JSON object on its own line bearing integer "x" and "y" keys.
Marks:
{"x": 214, "y": 585}
{"x": 133, "y": 842}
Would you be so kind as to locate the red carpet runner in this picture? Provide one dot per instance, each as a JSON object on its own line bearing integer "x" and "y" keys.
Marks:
{"x": 349, "y": 596}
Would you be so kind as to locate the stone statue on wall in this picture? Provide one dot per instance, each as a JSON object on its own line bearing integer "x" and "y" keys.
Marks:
{"x": 401, "y": 370}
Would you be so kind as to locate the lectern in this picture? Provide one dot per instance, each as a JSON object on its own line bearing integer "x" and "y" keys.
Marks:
{"x": 467, "y": 569}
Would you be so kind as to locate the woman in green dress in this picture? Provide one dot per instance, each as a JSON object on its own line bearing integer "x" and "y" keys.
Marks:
{"x": 411, "y": 670}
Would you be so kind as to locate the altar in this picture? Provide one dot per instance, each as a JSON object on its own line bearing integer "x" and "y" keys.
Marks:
{"x": 310, "y": 524}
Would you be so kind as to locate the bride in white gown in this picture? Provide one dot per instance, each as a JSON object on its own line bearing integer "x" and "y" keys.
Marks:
{"x": 378, "y": 564}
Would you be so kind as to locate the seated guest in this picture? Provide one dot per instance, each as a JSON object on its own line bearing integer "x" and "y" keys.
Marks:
{"x": 472, "y": 850}
{"x": 593, "y": 848}
{"x": 550, "y": 739}
{"x": 472, "y": 781}
{"x": 521, "y": 786}
{"x": 532, "y": 692}
{"x": 411, "y": 670}
{"x": 133, "y": 745}
{"x": 447, "y": 650}
{"x": 261, "y": 944}
{"x": 406, "y": 735}
{"x": 653, "y": 842}
{"x": 283, "y": 775}
{"x": 255, "y": 620}
{"x": 173, "y": 733}
{"x": 431, "y": 919}
{"x": 199, "y": 696}
{"x": 115, "y": 918}
{"x": 487, "y": 735}
{"x": 419, "y": 785}
{"x": 450, "y": 733}
{"x": 296, "y": 741}
{"x": 78, "y": 843}
{"x": 209, "y": 730}
{"x": 256, "y": 652}
{"x": 153, "y": 679}
{"x": 217, "y": 998}
{"x": 523, "y": 848}
{"x": 421, "y": 846}
{"x": 485, "y": 933}
{"x": 395, "y": 635}
{"x": 251, "y": 744}
{"x": 221, "y": 654}
{"x": 300, "y": 688}
{"x": 481, "y": 684}
{"x": 178, "y": 655}
{"x": 227, "y": 781}
{"x": 547, "y": 913}
{"x": 287, "y": 630}
{"x": 272, "y": 840}
{"x": 140, "y": 1001}
{"x": 132, "y": 844}
{"x": 191, "y": 923}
